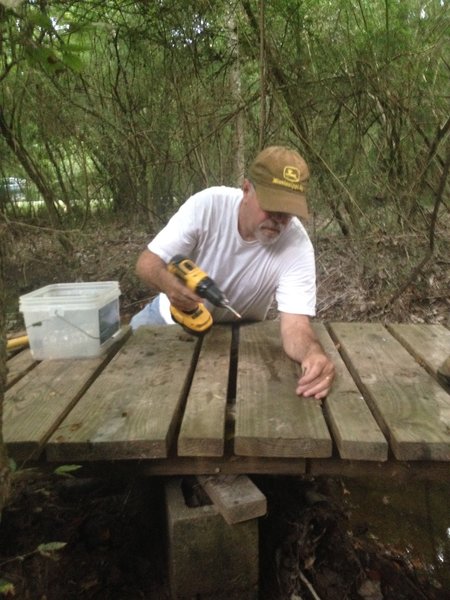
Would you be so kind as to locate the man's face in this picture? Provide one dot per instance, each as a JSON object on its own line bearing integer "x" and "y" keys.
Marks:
{"x": 265, "y": 226}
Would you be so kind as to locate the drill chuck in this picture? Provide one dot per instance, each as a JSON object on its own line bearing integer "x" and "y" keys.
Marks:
{"x": 207, "y": 289}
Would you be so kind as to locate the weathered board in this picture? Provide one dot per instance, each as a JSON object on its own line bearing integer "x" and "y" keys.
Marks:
{"x": 128, "y": 413}
{"x": 202, "y": 430}
{"x": 355, "y": 430}
{"x": 18, "y": 365}
{"x": 411, "y": 408}
{"x": 203, "y": 465}
{"x": 395, "y": 470}
{"x": 236, "y": 497}
{"x": 429, "y": 344}
{"x": 271, "y": 420}
{"x": 39, "y": 401}
{"x": 132, "y": 409}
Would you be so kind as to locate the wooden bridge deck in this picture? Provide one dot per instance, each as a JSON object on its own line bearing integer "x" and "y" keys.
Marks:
{"x": 165, "y": 403}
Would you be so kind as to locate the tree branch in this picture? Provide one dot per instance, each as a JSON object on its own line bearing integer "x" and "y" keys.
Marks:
{"x": 432, "y": 235}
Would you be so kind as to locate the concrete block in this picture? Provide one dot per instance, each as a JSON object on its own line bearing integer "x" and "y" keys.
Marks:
{"x": 208, "y": 557}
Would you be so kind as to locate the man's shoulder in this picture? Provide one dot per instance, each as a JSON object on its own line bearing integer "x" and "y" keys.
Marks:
{"x": 218, "y": 191}
{"x": 297, "y": 232}
{"x": 215, "y": 199}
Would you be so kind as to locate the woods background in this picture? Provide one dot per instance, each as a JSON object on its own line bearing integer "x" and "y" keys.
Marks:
{"x": 112, "y": 113}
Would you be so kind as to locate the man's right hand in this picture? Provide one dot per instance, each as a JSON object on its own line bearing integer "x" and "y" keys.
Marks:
{"x": 152, "y": 270}
{"x": 181, "y": 297}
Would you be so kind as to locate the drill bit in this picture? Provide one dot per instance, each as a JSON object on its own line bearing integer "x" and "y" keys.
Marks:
{"x": 226, "y": 304}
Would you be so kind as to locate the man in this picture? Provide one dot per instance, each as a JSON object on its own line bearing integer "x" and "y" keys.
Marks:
{"x": 252, "y": 244}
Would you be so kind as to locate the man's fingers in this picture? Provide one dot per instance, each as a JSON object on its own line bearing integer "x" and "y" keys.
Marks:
{"x": 315, "y": 376}
{"x": 183, "y": 299}
{"x": 318, "y": 387}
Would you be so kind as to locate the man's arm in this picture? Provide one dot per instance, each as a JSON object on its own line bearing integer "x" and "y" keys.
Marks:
{"x": 301, "y": 344}
{"x": 152, "y": 271}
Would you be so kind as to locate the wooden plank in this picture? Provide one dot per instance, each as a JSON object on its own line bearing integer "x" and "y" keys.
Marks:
{"x": 400, "y": 471}
{"x": 271, "y": 420}
{"x": 203, "y": 428}
{"x": 429, "y": 344}
{"x": 397, "y": 471}
{"x": 191, "y": 465}
{"x": 443, "y": 374}
{"x": 18, "y": 366}
{"x": 354, "y": 428}
{"x": 227, "y": 465}
{"x": 132, "y": 409}
{"x": 236, "y": 497}
{"x": 411, "y": 408}
{"x": 38, "y": 402}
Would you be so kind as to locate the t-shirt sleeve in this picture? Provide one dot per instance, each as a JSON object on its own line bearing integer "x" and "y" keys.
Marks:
{"x": 296, "y": 290}
{"x": 181, "y": 233}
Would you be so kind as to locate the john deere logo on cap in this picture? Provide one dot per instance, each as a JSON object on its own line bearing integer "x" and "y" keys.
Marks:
{"x": 291, "y": 174}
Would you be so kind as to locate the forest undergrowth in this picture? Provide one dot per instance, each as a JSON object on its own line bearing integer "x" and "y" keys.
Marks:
{"x": 358, "y": 278}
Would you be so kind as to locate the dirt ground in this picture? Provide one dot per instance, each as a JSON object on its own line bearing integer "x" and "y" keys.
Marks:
{"x": 84, "y": 537}
{"x": 93, "y": 538}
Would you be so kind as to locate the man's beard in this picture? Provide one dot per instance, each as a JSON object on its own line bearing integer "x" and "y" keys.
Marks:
{"x": 267, "y": 240}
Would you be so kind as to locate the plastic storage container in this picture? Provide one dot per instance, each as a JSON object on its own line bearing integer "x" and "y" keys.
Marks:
{"x": 71, "y": 320}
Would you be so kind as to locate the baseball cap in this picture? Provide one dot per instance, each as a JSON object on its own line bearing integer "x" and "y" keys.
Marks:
{"x": 280, "y": 177}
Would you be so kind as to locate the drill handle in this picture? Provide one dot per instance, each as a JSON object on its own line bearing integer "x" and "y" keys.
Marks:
{"x": 197, "y": 322}
{"x": 187, "y": 272}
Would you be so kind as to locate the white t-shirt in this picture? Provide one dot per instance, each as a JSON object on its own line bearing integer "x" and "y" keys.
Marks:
{"x": 251, "y": 275}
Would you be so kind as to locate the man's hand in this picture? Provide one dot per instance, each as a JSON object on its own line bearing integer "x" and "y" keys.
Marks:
{"x": 301, "y": 344}
{"x": 181, "y": 297}
{"x": 317, "y": 376}
{"x": 152, "y": 270}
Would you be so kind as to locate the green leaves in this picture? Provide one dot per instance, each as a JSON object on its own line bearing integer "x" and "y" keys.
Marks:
{"x": 39, "y": 19}
{"x": 7, "y": 588}
{"x": 66, "y": 470}
{"x": 47, "y": 549}
{"x": 55, "y": 59}
{"x": 50, "y": 548}
{"x": 11, "y": 3}
{"x": 48, "y": 40}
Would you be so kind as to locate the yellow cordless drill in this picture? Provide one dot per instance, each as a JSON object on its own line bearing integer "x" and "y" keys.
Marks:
{"x": 200, "y": 320}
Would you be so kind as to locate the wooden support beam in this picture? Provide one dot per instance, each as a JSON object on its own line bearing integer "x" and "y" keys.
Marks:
{"x": 236, "y": 497}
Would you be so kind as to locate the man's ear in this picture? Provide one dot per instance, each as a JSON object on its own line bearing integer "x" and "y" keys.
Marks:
{"x": 247, "y": 186}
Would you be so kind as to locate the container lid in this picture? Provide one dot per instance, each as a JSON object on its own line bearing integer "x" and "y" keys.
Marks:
{"x": 73, "y": 295}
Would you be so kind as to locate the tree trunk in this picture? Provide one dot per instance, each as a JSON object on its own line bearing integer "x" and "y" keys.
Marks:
{"x": 31, "y": 169}
{"x": 4, "y": 464}
{"x": 262, "y": 76}
{"x": 235, "y": 80}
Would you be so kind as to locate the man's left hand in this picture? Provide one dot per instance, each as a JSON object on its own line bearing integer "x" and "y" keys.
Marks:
{"x": 301, "y": 344}
{"x": 317, "y": 377}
